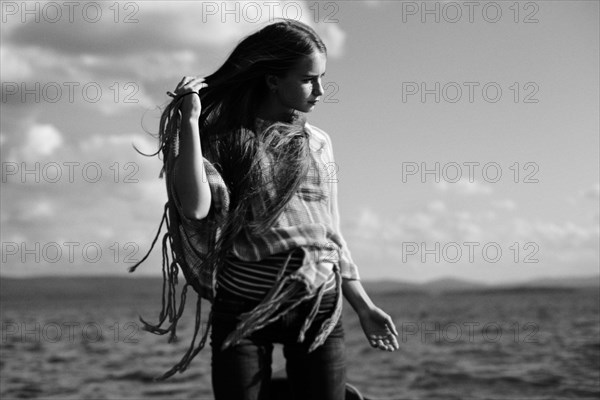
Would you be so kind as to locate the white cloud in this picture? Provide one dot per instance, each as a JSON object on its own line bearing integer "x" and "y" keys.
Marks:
{"x": 333, "y": 37}
{"x": 437, "y": 206}
{"x": 506, "y": 204}
{"x": 169, "y": 39}
{"x": 110, "y": 210}
{"x": 489, "y": 215}
{"x": 225, "y": 23}
{"x": 565, "y": 246}
{"x": 41, "y": 140}
{"x": 592, "y": 193}
{"x": 123, "y": 142}
{"x": 581, "y": 200}
{"x": 35, "y": 208}
{"x": 15, "y": 67}
{"x": 371, "y": 3}
{"x": 464, "y": 187}
{"x": 463, "y": 215}
{"x": 170, "y": 26}
{"x": 469, "y": 230}
{"x": 473, "y": 188}
{"x": 368, "y": 220}
{"x": 556, "y": 237}
{"x": 106, "y": 233}
{"x": 153, "y": 192}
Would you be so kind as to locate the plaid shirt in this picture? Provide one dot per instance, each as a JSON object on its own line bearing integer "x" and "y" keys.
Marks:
{"x": 310, "y": 220}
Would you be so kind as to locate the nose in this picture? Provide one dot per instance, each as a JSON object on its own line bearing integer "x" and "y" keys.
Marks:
{"x": 318, "y": 88}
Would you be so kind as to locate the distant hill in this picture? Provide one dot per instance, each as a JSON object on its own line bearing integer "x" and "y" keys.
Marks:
{"x": 570, "y": 282}
{"x": 79, "y": 288}
{"x": 452, "y": 284}
{"x": 391, "y": 286}
{"x": 139, "y": 289}
{"x": 444, "y": 285}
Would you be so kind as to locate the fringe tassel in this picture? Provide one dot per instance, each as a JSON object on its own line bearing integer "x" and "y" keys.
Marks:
{"x": 266, "y": 313}
{"x": 169, "y": 309}
{"x": 167, "y": 296}
{"x": 272, "y": 308}
{"x": 312, "y": 314}
{"x": 193, "y": 350}
{"x": 162, "y": 221}
{"x": 269, "y": 309}
{"x": 330, "y": 323}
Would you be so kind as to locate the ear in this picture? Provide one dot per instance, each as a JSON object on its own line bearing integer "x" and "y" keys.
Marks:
{"x": 272, "y": 82}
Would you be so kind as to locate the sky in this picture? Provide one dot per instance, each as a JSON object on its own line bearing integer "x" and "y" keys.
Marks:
{"x": 466, "y": 135}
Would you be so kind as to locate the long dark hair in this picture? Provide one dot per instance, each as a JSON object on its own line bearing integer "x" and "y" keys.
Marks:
{"x": 262, "y": 165}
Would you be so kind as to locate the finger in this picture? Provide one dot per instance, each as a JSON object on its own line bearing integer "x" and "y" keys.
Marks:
{"x": 392, "y": 327}
{"x": 388, "y": 344}
{"x": 194, "y": 85}
{"x": 194, "y": 80}
{"x": 394, "y": 343}
{"x": 377, "y": 343}
{"x": 377, "y": 336}
{"x": 387, "y": 347}
{"x": 183, "y": 81}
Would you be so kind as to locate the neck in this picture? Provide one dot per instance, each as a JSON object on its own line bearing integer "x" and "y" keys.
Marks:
{"x": 272, "y": 110}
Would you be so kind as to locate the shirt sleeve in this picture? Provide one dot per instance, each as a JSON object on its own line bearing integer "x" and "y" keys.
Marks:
{"x": 348, "y": 267}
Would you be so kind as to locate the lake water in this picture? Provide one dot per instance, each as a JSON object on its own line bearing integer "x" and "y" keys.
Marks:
{"x": 79, "y": 340}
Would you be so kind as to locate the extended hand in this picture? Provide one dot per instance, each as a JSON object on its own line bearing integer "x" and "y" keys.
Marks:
{"x": 379, "y": 329}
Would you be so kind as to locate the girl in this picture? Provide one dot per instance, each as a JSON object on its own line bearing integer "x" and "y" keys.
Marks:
{"x": 251, "y": 174}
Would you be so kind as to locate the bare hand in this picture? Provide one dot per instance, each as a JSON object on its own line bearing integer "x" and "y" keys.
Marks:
{"x": 190, "y": 106}
{"x": 379, "y": 329}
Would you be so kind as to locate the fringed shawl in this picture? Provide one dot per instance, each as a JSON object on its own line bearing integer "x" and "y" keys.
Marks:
{"x": 187, "y": 242}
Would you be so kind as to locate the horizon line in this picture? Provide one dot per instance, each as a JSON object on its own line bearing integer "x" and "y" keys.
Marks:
{"x": 373, "y": 280}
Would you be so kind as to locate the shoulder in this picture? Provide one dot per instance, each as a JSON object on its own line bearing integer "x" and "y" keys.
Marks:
{"x": 320, "y": 135}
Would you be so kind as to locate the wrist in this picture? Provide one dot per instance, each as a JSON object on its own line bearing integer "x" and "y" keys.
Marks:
{"x": 364, "y": 309}
{"x": 190, "y": 110}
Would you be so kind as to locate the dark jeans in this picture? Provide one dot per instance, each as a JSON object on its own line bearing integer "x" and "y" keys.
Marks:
{"x": 243, "y": 371}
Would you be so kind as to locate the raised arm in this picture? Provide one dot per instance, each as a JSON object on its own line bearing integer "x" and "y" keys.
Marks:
{"x": 190, "y": 179}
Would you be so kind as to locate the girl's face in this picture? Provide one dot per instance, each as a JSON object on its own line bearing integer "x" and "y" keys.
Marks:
{"x": 301, "y": 88}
